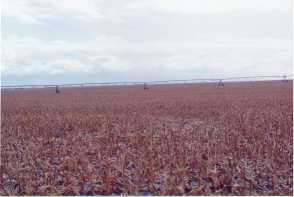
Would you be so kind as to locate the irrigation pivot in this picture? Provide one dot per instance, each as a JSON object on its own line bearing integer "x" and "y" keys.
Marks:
{"x": 220, "y": 82}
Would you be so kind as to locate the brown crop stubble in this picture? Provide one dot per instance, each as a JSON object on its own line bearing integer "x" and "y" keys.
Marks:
{"x": 186, "y": 139}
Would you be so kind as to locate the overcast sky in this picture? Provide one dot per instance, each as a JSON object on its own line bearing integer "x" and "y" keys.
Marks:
{"x": 64, "y": 41}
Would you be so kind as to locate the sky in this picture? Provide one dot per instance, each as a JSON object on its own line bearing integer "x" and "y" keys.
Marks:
{"x": 76, "y": 41}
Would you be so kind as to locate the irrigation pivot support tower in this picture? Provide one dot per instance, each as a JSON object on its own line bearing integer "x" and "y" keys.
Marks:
{"x": 221, "y": 83}
{"x": 145, "y": 86}
{"x": 57, "y": 90}
{"x": 285, "y": 78}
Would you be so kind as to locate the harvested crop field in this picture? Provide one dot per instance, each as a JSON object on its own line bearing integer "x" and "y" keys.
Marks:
{"x": 183, "y": 139}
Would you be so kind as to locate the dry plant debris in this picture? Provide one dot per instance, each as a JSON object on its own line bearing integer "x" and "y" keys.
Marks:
{"x": 184, "y": 139}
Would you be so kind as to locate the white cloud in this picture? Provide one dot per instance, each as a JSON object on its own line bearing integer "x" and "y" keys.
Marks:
{"x": 36, "y": 11}
{"x": 231, "y": 55}
{"x": 24, "y": 11}
{"x": 30, "y": 55}
{"x": 209, "y": 6}
{"x": 182, "y": 38}
{"x": 86, "y": 9}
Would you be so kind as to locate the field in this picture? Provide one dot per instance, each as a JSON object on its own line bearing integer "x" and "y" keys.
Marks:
{"x": 183, "y": 139}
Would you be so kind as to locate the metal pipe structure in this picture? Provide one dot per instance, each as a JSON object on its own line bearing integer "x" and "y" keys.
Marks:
{"x": 220, "y": 81}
